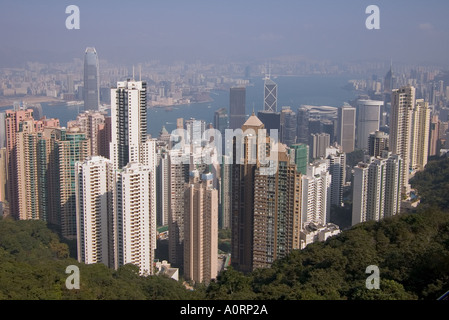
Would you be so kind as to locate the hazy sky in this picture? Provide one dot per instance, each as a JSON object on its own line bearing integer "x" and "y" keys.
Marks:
{"x": 138, "y": 31}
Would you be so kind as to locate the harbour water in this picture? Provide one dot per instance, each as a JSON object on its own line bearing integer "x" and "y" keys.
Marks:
{"x": 293, "y": 91}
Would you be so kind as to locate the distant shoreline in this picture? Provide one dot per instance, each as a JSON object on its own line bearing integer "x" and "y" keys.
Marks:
{"x": 9, "y": 102}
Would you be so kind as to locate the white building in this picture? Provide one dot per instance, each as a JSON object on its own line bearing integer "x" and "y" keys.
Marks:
{"x": 94, "y": 210}
{"x": 376, "y": 188}
{"x": 402, "y": 106}
{"x": 312, "y": 233}
{"x": 336, "y": 161}
{"x": 420, "y": 135}
{"x": 316, "y": 194}
{"x": 136, "y": 227}
{"x": 129, "y": 122}
{"x": 368, "y": 120}
{"x": 346, "y": 128}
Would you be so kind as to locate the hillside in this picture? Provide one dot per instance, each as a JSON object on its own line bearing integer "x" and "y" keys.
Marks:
{"x": 410, "y": 250}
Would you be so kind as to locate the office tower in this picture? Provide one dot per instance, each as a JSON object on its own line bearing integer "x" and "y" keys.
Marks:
{"x": 136, "y": 233}
{"x": 336, "y": 161}
{"x": 329, "y": 127}
{"x": 221, "y": 122}
{"x": 12, "y": 122}
{"x": 377, "y": 142}
{"x": 434, "y": 136}
{"x": 91, "y": 88}
{"x": 129, "y": 122}
{"x": 318, "y": 144}
{"x": 224, "y": 212}
{"x": 91, "y": 122}
{"x": 94, "y": 215}
{"x": 402, "y": 106}
{"x": 376, "y": 188}
{"x": 288, "y": 126}
{"x": 301, "y": 157}
{"x": 71, "y": 148}
{"x": 195, "y": 130}
{"x": 368, "y": 120}
{"x": 271, "y": 120}
{"x": 315, "y": 205}
{"x": 346, "y": 128}
{"x": 237, "y": 104}
{"x": 70, "y": 84}
{"x": 388, "y": 85}
{"x": 270, "y": 95}
{"x": 315, "y": 126}
{"x": 420, "y": 135}
{"x": 302, "y": 125}
{"x": 277, "y": 212}
{"x": 201, "y": 229}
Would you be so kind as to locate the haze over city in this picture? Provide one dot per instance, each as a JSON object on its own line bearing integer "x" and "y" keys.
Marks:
{"x": 138, "y": 31}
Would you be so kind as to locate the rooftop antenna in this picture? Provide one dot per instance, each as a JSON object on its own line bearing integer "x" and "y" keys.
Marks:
{"x": 133, "y": 73}
{"x": 140, "y": 72}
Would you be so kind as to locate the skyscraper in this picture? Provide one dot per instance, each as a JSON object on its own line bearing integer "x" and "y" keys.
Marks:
{"x": 302, "y": 125}
{"x": 318, "y": 143}
{"x": 91, "y": 80}
{"x": 271, "y": 120}
{"x": 377, "y": 188}
{"x": 270, "y": 95}
{"x": 434, "y": 136}
{"x": 377, "y": 142}
{"x": 221, "y": 122}
{"x": 346, "y": 128}
{"x": 71, "y": 148}
{"x": 316, "y": 194}
{"x": 136, "y": 233}
{"x": 301, "y": 156}
{"x": 95, "y": 220}
{"x": 277, "y": 212}
{"x": 12, "y": 122}
{"x": 129, "y": 122}
{"x": 179, "y": 177}
{"x": 288, "y": 126}
{"x": 237, "y": 105}
{"x": 420, "y": 135}
{"x": 368, "y": 120}
{"x": 243, "y": 199}
{"x": 337, "y": 168}
{"x": 91, "y": 122}
{"x": 224, "y": 212}
{"x": 201, "y": 229}
{"x": 402, "y": 106}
